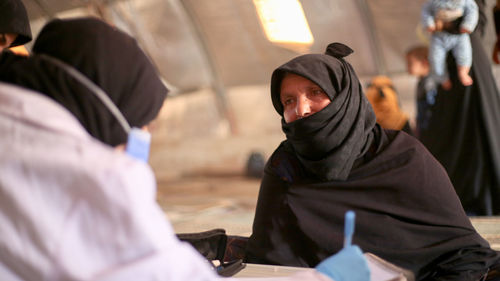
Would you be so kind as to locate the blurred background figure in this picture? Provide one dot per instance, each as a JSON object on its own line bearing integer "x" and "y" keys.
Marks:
{"x": 417, "y": 63}
{"x": 255, "y": 165}
{"x": 15, "y": 28}
{"x": 463, "y": 130}
{"x": 384, "y": 99}
{"x": 496, "y": 19}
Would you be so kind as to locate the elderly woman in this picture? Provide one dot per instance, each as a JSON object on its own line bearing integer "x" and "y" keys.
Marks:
{"x": 335, "y": 158}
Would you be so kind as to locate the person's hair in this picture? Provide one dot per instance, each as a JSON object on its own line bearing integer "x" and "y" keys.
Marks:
{"x": 420, "y": 52}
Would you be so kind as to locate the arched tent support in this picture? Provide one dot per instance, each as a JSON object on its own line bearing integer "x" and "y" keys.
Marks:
{"x": 367, "y": 16}
{"x": 216, "y": 81}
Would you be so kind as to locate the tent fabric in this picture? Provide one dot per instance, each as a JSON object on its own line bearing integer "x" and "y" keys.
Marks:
{"x": 223, "y": 39}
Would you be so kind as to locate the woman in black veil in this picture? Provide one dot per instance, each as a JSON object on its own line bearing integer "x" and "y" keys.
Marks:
{"x": 337, "y": 158}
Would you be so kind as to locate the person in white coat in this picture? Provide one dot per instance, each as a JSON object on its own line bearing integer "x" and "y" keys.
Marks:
{"x": 72, "y": 206}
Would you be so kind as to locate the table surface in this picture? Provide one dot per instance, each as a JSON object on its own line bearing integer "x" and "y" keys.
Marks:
{"x": 260, "y": 270}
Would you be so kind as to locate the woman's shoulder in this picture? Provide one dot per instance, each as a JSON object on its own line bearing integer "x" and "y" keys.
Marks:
{"x": 420, "y": 157}
{"x": 396, "y": 150}
{"x": 396, "y": 142}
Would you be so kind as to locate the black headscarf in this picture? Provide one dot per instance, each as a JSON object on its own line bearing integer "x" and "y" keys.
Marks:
{"x": 14, "y": 19}
{"x": 328, "y": 142}
{"x": 105, "y": 55}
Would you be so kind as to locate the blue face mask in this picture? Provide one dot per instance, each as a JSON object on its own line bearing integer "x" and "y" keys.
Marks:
{"x": 138, "y": 140}
{"x": 138, "y": 143}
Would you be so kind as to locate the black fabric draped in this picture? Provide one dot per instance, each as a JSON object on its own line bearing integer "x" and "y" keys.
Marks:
{"x": 14, "y": 19}
{"x": 463, "y": 133}
{"x": 407, "y": 211}
{"x": 329, "y": 141}
{"x": 105, "y": 55}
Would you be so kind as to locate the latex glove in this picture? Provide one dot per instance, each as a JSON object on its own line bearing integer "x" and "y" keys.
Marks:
{"x": 348, "y": 264}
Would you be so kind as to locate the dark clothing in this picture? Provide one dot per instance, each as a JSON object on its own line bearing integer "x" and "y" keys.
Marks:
{"x": 407, "y": 212}
{"x": 14, "y": 19}
{"x": 426, "y": 97}
{"x": 106, "y": 56}
{"x": 496, "y": 19}
{"x": 463, "y": 133}
{"x": 8, "y": 58}
{"x": 407, "y": 129}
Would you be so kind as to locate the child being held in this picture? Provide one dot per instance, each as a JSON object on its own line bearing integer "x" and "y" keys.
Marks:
{"x": 417, "y": 64}
{"x": 439, "y": 18}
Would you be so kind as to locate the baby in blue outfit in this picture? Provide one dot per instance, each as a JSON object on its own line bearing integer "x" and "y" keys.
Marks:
{"x": 438, "y": 17}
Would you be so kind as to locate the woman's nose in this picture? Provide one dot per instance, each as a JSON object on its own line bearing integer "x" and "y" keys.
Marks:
{"x": 303, "y": 108}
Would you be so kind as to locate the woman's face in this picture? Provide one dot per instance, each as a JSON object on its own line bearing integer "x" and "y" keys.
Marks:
{"x": 301, "y": 97}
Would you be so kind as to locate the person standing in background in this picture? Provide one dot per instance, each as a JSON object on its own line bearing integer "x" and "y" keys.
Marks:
{"x": 463, "y": 130}
{"x": 417, "y": 64}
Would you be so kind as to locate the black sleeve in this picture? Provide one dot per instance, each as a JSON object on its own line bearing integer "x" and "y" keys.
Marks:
{"x": 467, "y": 263}
{"x": 267, "y": 219}
{"x": 481, "y": 24}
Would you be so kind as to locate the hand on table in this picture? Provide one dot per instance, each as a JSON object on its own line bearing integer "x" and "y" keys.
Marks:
{"x": 349, "y": 264}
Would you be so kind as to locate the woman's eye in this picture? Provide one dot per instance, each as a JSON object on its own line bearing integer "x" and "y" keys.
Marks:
{"x": 318, "y": 92}
{"x": 287, "y": 101}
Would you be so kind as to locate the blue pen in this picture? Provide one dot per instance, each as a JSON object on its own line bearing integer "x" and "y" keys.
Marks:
{"x": 348, "y": 228}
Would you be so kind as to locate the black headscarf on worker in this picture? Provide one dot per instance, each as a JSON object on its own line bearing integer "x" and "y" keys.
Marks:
{"x": 14, "y": 19}
{"x": 105, "y": 55}
{"x": 328, "y": 142}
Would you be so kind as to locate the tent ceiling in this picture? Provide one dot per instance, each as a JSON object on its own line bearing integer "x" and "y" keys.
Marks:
{"x": 49, "y": 8}
{"x": 199, "y": 43}
{"x": 44, "y": 8}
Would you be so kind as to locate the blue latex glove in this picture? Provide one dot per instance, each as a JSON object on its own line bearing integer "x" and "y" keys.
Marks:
{"x": 348, "y": 264}
{"x": 138, "y": 143}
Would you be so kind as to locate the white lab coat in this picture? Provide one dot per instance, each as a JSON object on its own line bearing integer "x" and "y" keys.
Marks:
{"x": 72, "y": 208}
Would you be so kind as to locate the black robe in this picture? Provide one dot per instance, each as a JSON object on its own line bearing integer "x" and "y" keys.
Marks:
{"x": 463, "y": 132}
{"x": 339, "y": 159}
{"x": 407, "y": 212}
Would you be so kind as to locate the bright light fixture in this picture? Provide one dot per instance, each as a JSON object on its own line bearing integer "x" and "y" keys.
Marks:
{"x": 284, "y": 23}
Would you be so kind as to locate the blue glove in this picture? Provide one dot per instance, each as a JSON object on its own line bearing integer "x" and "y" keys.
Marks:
{"x": 348, "y": 264}
{"x": 138, "y": 143}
